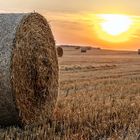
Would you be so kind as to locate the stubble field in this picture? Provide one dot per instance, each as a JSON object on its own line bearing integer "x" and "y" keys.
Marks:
{"x": 99, "y": 99}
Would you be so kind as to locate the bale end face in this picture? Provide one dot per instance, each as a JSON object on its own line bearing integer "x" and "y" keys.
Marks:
{"x": 33, "y": 70}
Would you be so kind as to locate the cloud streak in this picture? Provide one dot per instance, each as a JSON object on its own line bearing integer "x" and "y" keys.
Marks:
{"x": 96, "y": 6}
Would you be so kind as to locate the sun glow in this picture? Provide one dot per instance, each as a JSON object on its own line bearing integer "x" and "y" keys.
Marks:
{"x": 115, "y": 24}
{"x": 114, "y": 27}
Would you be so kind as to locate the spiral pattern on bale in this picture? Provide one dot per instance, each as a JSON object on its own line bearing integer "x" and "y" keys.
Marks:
{"x": 28, "y": 69}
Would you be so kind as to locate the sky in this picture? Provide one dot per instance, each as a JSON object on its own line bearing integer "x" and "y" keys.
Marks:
{"x": 72, "y": 22}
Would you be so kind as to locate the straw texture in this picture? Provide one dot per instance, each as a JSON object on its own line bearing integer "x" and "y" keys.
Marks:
{"x": 28, "y": 69}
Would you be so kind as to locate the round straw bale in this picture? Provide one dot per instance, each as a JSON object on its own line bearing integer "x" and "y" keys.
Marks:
{"x": 28, "y": 69}
{"x": 59, "y": 51}
{"x": 89, "y": 48}
{"x": 83, "y": 49}
{"x": 77, "y": 47}
{"x": 138, "y": 51}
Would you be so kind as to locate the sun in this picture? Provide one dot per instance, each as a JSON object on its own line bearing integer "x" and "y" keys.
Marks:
{"x": 114, "y": 27}
{"x": 115, "y": 24}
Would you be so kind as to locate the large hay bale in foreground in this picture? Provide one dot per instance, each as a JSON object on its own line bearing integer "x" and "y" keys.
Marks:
{"x": 28, "y": 69}
{"x": 59, "y": 51}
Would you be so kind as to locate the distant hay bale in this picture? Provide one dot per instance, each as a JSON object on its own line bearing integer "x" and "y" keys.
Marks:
{"x": 89, "y": 48}
{"x": 138, "y": 51}
{"x": 98, "y": 48}
{"x": 59, "y": 51}
{"x": 83, "y": 50}
{"x": 28, "y": 69}
{"x": 77, "y": 47}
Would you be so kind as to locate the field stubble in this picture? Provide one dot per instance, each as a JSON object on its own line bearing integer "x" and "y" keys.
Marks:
{"x": 99, "y": 99}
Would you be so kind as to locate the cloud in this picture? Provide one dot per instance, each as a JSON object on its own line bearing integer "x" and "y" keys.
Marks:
{"x": 67, "y": 6}
{"x": 96, "y": 6}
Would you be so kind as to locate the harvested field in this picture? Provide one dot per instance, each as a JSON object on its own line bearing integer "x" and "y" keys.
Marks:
{"x": 99, "y": 99}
